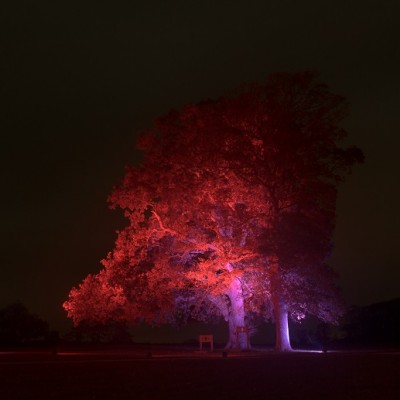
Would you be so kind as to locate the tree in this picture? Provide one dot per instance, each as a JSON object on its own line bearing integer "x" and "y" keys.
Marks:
{"x": 191, "y": 257}
{"x": 307, "y": 163}
{"x": 232, "y": 210}
{"x": 18, "y": 326}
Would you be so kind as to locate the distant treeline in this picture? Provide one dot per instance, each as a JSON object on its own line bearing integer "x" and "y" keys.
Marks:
{"x": 368, "y": 326}
{"x": 374, "y": 325}
{"x": 18, "y": 327}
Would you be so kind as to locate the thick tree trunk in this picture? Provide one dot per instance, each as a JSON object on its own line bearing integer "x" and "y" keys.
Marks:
{"x": 236, "y": 318}
{"x": 282, "y": 338}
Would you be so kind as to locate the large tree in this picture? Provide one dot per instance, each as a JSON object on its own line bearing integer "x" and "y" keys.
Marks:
{"x": 198, "y": 236}
{"x": 233, "y": 209}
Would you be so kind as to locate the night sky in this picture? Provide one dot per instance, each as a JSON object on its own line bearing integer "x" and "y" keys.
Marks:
{"x": 79, "y": 80}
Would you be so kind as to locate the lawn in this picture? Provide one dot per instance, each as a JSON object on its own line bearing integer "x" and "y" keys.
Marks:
{"x": 193, "y": 375}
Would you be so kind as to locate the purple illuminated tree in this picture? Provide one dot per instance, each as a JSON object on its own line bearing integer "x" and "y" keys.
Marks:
{"x": 286, "y": 138}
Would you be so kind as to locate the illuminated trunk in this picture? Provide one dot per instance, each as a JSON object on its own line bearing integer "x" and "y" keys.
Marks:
{"x": 236, "y": 318}
{"x": 282, "y": 338}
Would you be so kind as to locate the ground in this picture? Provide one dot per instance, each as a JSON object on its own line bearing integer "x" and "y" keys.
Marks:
{"x": 155, "y": 373}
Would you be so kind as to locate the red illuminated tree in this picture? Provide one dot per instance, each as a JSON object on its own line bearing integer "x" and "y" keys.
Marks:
{"x": 199, "y": 236}
{"x": 232, "y": 211}
{"x": 191, "y": 248}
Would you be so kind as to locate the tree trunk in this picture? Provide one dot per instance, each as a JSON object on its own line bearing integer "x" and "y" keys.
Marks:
{"x": 282, "y": 338}
{"x": 236, "y": 318}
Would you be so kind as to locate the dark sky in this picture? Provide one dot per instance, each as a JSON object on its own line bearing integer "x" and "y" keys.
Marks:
{"x": 80, "y": 79}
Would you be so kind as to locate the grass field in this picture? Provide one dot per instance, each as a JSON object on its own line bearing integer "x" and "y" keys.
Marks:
{"x": 193, "y": 375}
